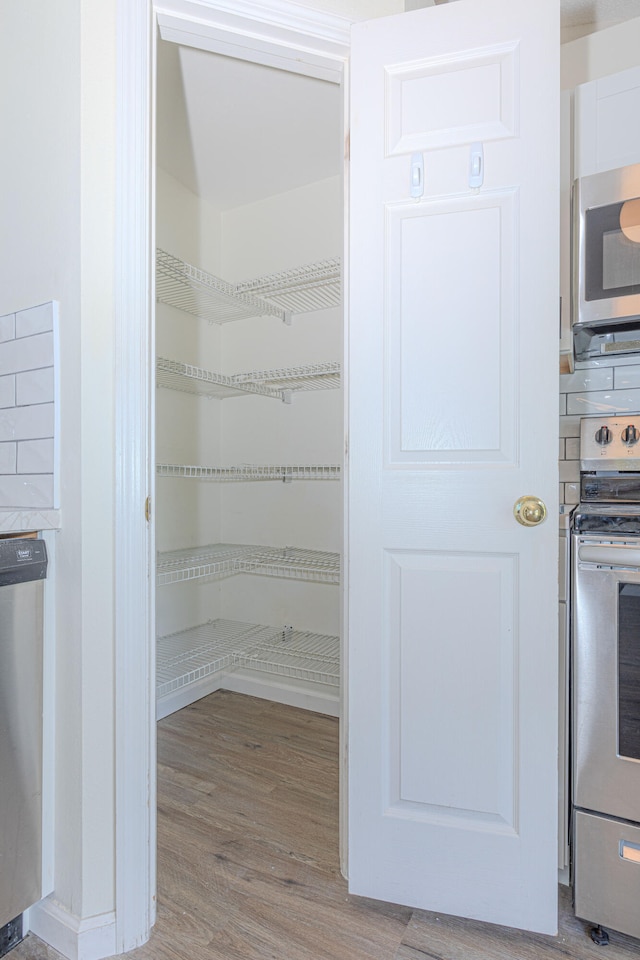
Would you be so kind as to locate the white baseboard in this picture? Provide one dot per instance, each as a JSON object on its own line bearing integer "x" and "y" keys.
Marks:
{"x": 191, "y": 692}
{"x": 90, "y": 939}
{"x": 318, "y": 697}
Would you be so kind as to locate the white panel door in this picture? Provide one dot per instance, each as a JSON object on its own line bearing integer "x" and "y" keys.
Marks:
{"x": 453, "y": 400}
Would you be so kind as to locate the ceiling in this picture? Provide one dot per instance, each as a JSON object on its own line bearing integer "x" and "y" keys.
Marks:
{"x": 235, "y": 132}
{"x": 596, "y": 13}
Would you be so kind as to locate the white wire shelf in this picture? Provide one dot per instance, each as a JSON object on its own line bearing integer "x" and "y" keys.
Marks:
{"x": 181, "y": 285}
{"x": 216, "y": 560}
{"x": 190, "y": 655}
{"x": 312, "y": 287}
{"x": 219, "y": 560}
{"x": 310, "y": 376}
{"x": 292, "y": 563}
{"x": 187, "y": 378}
{"x": 223, "y": 645}
{"x": 203, "y": 295}
{"x": 175, "y": 375}
{"x": 250, "y": 472}
{"x": 313, "y": 657}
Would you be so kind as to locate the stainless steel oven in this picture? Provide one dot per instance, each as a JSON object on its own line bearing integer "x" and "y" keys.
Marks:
{"x": 606, "y": 677}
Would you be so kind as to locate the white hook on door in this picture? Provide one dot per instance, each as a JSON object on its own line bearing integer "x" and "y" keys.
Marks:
{"x": 416, "y": 180}
{"x": 476, "y": 165}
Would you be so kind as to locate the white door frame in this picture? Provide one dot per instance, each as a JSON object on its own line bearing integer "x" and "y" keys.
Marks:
{"x": 270, "y": 31}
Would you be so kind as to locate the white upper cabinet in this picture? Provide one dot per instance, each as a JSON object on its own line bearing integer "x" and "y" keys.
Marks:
{"x": 607, "y": 132}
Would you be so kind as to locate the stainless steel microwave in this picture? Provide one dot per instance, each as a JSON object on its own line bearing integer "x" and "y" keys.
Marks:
{"x": 606, "y": 263}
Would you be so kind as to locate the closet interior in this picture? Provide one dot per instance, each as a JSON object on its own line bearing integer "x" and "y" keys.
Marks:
{"x": 249, "y": 411}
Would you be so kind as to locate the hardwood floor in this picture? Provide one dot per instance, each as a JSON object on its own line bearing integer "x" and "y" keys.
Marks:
{"x": 248, "y": 856}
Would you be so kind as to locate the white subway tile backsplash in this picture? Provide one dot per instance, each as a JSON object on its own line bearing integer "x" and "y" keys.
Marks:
{"x": 7, "y": 391}
{"x": 627, "y": 378}
{"x": 604, "y": 403}
{"x": 27, "y": 423}
{"x": 569, "y": 471}
{"x": 596, "y": 389}
{"x": 34, "y": 320}
{"x": 561, "y": 450}
{"x": 7, "y": 458}
{"x": 572, "y": 448}
{"x": 561, "y": 493}
{"x": 35, "y": 456}
{"x": 27, "y": 408}
{"x": 28, "y": 353}
{"x": 35, "y": 386}
{"x": 26, "y": 491}
{"x": 582, "y": 381}
{"x": 570, "y": 426}
{"x": 7, "y": 327}
{"x": 571, "y": 493}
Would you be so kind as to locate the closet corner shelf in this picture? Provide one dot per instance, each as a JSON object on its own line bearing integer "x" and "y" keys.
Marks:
{"x": 300, "y": 290}
{"x": 279, "y": 383}
{"x": 223, "y": 645}
{"x": 250, "y": 472}
{"x": 219, "y": 560}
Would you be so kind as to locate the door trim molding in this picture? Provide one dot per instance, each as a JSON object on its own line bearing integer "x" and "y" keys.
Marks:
{"x": 135, "y": 791}
{"x": 271, "y": 25}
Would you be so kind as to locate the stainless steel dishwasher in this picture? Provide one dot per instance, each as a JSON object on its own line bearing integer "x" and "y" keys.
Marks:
{"x": 23, "y": 568}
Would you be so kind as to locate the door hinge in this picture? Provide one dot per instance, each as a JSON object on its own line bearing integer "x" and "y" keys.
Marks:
{"x": 147, "y": 509}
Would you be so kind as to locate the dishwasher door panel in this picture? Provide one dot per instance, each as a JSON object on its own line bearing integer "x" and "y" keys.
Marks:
{"x": 20, "y": 747}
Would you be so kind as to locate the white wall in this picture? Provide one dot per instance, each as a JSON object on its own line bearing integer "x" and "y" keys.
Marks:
{"x": 281, "y": 232}
{"x": 58, "y": 185}
{"x": 285, "y": 231}
{"x": 40, "y": 260}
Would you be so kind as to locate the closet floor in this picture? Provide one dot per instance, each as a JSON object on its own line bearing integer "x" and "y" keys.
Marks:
{"x": 248, "y": 856}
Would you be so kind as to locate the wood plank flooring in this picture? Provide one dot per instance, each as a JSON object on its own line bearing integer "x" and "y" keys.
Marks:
{"x": 248, "y": 856}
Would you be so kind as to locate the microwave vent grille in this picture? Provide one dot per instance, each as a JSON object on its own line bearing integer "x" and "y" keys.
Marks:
{"x": 622, "y": 346}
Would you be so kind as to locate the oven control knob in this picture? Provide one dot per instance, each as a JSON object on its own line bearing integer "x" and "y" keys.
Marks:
{"x": 603, "y": 435}
{"x": 630, "y": 434}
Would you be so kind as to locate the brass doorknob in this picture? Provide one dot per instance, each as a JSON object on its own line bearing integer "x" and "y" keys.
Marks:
{"x": 529, "y": 511}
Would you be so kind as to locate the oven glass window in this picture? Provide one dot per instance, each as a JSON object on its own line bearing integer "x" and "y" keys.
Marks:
{"x": 629, "y": 670}
{"x": 612, "y": 267}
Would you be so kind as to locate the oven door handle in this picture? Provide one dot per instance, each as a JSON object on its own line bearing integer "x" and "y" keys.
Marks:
{"x": 612, "y": 556}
